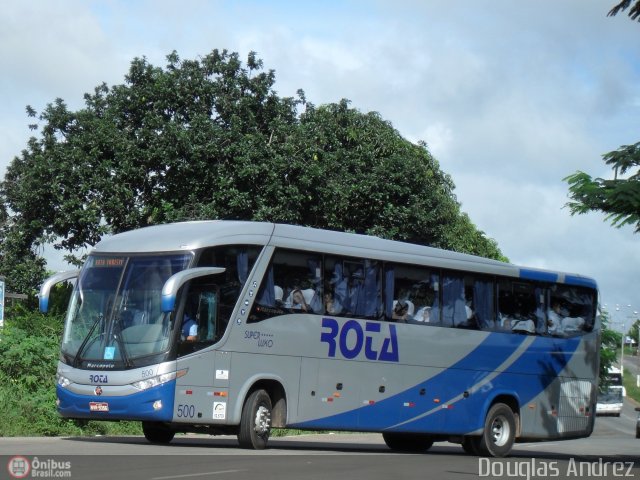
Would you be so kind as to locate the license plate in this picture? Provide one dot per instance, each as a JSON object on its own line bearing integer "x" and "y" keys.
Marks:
{"x": 98, "y": 407}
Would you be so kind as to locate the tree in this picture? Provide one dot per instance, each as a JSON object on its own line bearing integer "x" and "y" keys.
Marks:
{"x": 618, "y": 198}
{"x": 634, "y": 12}
{"x": 634, "y": 332}
{"x": 210, "y": 138}
{"x": 610, "y": 341}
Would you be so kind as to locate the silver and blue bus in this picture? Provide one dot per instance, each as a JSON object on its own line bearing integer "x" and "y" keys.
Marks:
{"x": 230, "y": 327}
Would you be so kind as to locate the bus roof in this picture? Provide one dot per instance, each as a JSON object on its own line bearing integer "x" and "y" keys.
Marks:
{"x": 189, "y": 236}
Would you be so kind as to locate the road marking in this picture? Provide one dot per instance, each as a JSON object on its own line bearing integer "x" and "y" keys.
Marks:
{"x": 188, "y": 475}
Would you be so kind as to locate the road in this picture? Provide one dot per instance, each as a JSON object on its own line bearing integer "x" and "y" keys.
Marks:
{"x": 610, "y": 452}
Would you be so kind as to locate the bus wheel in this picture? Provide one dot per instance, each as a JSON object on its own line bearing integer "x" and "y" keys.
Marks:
{"x": 157, "y": 432}
{"x": 407, "y": 442}
{"x": 255, "y": 422}
{"x": 499, "y": 432}
{"x": 470, "y": 445}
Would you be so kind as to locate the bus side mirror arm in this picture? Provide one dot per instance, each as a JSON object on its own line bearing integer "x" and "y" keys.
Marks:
{"x": 48, "y": 284}
{"x": 173, "y": 284}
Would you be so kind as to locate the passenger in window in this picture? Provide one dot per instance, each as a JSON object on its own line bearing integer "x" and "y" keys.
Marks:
{"x": 573, "y": 324}
{"x": 468, "y": 310}
{"x": 554, "y": 318}
{"x": 189, "y": 328}
{"x": 504, "y": 322}
{"x": 278, "y": 293}
{"x": 298, "y": 301}
{"x": 523, "y": 321}
{"x": 471, "y": 321}
{"x": 523, "y": 325}
{"x": 423, "y": 315}
{"x": 400, "y": 311}
{"x": 330, "y": 306}
{"x": 313, "y": 300}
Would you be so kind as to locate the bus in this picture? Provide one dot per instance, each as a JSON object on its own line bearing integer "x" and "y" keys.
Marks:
{"x": 609, "y": 401}
{"x": 233, "y": 327}
{"x": 611, "y": 393}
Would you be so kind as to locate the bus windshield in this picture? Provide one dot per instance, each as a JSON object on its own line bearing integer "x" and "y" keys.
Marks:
{"x": 115, "y": 312}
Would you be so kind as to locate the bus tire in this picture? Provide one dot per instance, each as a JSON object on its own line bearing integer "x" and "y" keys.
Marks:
{"x": 255, "y": 422}
{"x": 470, "y": 445}
{"x": 157, "y": 432}
{"x": 407, "y": 442}
{"x": 499, "y": 432}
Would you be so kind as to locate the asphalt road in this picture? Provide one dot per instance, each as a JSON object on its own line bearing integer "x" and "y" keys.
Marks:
{"x": 611, "y": 452}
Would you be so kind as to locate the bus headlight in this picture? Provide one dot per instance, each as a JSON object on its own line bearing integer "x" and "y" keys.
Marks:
{"x": 63, "y": 381}
{"x": 148, "y": 383}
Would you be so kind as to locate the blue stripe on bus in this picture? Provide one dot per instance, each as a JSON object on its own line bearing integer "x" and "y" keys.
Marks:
{"x": 580, "y": 281}
{"x": 538, "y": 275}
{"x": 138, "y": 406}
{"x": 462, "y": 416}
{"x": 542, "y": 276}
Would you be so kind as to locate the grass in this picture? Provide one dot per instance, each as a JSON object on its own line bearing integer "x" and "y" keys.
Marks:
{"x": 629, "y": 381}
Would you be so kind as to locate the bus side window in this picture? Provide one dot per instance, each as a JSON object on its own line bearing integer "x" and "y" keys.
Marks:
{"x": 353, "y": 287}
{"x": 506, "y": 308}
{"x": 411, "y": 294}
{"x": 454, "y": 309}
{"x": 571, "y": 310}
{"x": 200, "y": 325}
{"x": 292, "y": 284}
{"x": 481, "y": 291}
{"x": 238, "y": 260}
{"x": 519, "y": 308}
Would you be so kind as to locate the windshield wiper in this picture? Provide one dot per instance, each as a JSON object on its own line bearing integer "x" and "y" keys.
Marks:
{"x": 118, "y": 338}
{"x": 86, "y": 340}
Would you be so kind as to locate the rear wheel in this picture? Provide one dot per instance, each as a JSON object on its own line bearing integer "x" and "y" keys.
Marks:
{"x": 157, "y": 432}
{"x": 255, "y": 422}
{"x": 499, "y": 432}
{"x": 408, "y": 442}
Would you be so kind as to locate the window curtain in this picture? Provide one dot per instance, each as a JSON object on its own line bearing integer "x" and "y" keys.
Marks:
{"x": 371, "y": 292}
{"x": 483, "y": 303}
{"x": 313, "y": 264}
{"x": 453, "y": 312}
{"x": 339, "y": 282}
{"x": 242, "y": 264}
{"x": 541, "y": 317}
{"x": 389, "y": 289}
{"x": 267, "y": 296}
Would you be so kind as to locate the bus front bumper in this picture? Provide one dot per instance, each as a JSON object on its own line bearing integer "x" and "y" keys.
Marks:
{"x": 154, "y": 404}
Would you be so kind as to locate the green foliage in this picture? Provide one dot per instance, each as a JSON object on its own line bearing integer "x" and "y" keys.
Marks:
{"x": 634, "y": 331}
{"x": 610, "y": 341}
{"x": 211, "y": 139}
{"x": 29, "y": 346}
{"x": 30, "y": 359}
{"x": 634, "y": 11}
{"x": 619, "y": 198}
{"x": 630, "y": 385}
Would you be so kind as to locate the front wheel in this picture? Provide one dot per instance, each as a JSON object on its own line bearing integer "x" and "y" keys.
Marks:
{"x": 255, "y": 422}
{"x": 157, "y": 432}
{"x": 408, "y": 442}
{"x": 499, "y": 432}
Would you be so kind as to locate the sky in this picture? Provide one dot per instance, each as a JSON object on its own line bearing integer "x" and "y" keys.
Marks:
{"x": 510, "y": 97}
